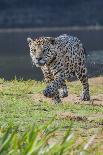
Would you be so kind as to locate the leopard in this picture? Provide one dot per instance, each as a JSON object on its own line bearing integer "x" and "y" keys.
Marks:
{"x": 60, "y": 58}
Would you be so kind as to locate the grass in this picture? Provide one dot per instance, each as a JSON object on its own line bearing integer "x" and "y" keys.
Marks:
{"x": 22, "y": 105}
{"x": 40, "y": 141}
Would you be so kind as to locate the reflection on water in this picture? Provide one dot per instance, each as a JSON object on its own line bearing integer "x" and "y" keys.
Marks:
{"x": 15, "y": 59}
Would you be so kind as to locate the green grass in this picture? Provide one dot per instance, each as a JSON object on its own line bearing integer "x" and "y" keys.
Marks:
{"x": 42, "y": 141}
{"x": 22, "y": 106}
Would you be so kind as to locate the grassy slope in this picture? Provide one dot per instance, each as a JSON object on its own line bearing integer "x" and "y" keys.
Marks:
{"x": 22, "y": 104}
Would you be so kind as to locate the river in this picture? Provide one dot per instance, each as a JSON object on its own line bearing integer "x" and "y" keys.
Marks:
{"x": 14, "y": 52}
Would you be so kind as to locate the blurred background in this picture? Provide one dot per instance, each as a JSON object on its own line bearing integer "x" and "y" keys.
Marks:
{"x": 22, "y": 18}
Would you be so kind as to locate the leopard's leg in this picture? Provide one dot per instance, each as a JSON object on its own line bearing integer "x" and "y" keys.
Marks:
{"x": 52, "y": 89}
{"x": 63, "y": 92}
{"x": 82, "y": 76}
{"x": 48, "y": 77}
{"x": 56, "y": 97}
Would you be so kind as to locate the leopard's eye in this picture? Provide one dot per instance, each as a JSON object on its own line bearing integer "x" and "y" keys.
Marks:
{"x": 33, "y": 51}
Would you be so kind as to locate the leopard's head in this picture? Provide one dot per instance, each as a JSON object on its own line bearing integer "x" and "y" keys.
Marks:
{"x": 42, "y": 50}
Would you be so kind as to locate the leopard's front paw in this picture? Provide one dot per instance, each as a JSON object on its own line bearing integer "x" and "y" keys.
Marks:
{"x": 63, "y": 94}
{"x": 56, "y": 99}
{"x": 48, "y": 92}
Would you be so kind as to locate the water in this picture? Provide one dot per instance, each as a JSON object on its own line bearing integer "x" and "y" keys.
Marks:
{"x": 14, "y": 51}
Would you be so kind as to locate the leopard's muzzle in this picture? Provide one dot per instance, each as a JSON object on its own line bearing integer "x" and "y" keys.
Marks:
{"x": 39, "y": 62}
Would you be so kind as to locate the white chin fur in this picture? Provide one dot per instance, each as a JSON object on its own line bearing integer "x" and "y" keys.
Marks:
{"x": 42, "y": 62}
{"x": 39, "y": 63}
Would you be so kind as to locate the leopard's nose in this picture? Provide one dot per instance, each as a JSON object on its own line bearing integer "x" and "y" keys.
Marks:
{"x": 38, "y": 58}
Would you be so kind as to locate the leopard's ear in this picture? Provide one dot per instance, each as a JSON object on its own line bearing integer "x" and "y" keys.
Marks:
{"x": 51, "y": 40}
{"x": 29, "y": 40}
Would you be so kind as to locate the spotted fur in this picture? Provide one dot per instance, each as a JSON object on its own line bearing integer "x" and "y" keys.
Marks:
{"x": 60, "y": 58}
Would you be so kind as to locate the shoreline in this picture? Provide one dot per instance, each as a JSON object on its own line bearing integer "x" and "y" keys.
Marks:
{"x": 53, "y": 29}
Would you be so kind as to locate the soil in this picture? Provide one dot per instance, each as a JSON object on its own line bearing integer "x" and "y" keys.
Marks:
{"x": 96, "y": 100}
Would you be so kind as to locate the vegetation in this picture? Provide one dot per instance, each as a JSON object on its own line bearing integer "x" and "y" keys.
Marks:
{"x": 24, "y": 111}
{"x": 39, "y": 141}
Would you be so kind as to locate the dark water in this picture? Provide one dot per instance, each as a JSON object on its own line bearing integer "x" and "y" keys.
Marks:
{"x": 14, "y": 51}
